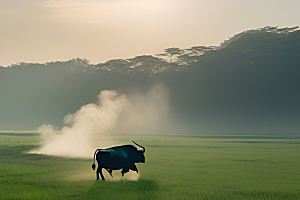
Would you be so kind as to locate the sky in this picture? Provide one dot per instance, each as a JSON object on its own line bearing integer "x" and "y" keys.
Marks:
{"x": 40, "y": 31}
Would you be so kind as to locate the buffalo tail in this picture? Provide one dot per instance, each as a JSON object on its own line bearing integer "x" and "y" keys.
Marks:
{"x": 94, "y": 165}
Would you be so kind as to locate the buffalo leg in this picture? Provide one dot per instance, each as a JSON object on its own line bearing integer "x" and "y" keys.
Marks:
{"x": 124, "y": 171}
{"x": 110, "y": 171}
{"x": 102, "y": 174}
{"x": 133, "y": 168}
{"x": 99, "y": 171}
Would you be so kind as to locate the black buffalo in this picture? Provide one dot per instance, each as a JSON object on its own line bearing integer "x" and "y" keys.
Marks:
{"x": 119, "y": 157}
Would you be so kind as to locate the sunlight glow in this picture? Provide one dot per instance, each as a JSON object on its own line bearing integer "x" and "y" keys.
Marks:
{"x": 105, "y": 12}
{"x": 100, "y": 30}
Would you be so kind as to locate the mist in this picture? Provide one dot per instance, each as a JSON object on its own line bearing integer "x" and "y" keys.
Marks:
{"x": 96, "y": 125}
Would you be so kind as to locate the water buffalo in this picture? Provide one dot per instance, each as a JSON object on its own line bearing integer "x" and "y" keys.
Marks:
{"x": 119, "y": 157}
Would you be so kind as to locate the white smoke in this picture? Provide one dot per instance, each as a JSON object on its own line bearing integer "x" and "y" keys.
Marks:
{"x": 91, "y": 127}
{"x": 145, "y": 113}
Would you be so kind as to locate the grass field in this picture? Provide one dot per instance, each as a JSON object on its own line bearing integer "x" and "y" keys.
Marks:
{"x": 193, "y": 167}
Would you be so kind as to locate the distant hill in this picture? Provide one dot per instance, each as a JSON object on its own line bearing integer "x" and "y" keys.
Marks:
{"x": 248, "y": 84}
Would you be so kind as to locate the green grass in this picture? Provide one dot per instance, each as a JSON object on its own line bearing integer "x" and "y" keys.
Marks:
{"x": 195, "y": 167}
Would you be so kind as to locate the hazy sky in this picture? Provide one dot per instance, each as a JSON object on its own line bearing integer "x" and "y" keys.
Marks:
{"x": 99, "y": 30}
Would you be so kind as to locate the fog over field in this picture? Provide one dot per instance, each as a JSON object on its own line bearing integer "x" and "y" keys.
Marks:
{"x": 247, "y": 85}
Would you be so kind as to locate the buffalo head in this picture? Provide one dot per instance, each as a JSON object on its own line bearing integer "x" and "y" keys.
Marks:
{"x": 140, "y": 154}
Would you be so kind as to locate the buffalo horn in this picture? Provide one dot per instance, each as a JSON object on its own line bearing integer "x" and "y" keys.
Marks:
{"x": 139, "y": 146}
